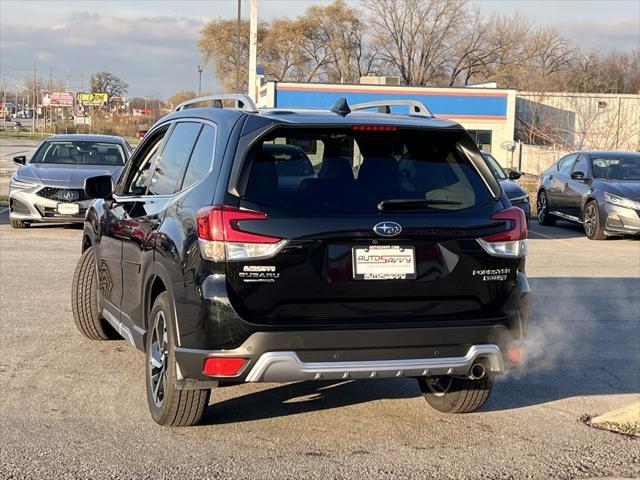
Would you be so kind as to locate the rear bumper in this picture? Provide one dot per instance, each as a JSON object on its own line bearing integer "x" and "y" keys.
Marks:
{"x": 329, "y": 355}
{"x": 294, "y": 355}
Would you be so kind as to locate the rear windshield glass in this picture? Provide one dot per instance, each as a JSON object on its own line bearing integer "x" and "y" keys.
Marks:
{"x": 80, "y": 153}
{"x": 346, "y": 170}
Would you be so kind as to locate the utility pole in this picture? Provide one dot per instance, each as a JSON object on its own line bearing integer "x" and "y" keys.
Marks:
{"x": 15, "y": 106}
{"x": 4, "y": 104}
{"x": 50, "y": 90}
{"x": 238, "y": 48}
{"x": 35, "y": 99}
{"x": 253, "y": 49}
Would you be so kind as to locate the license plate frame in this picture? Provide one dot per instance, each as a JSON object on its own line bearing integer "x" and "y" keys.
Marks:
{"x": 384, "y": 262}
{"x": 68, "y": 209}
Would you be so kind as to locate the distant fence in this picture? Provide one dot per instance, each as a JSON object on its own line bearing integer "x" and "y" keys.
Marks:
{"x": 536, "y": 159}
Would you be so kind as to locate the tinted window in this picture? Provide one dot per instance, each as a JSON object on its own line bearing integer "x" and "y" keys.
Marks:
{"x": 173, "y": 160}
{"x": 202, "y": 157}
{"x": 359, "y": 169}
{"x": 564, "y": 165}
{"x": 80, "y": 153}
{"x": 581, "y": 165}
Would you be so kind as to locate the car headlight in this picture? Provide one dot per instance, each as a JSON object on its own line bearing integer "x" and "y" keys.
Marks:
{"x": 621, "y": 201}
{"x": 22, "y": 184}
{"x": 522, "y": 199}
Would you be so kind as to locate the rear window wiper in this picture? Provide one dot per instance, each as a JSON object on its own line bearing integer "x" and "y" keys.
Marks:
{"x": 412, "y": 203}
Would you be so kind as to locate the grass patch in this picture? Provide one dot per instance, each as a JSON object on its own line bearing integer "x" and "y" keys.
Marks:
{"x": 4, "y": 200}
{"x": 23, "y": 135}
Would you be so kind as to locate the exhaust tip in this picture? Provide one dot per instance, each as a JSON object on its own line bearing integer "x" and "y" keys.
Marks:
{"x": 477, "y": 371}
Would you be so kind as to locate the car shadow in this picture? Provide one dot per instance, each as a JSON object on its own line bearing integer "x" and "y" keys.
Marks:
{"x": 301, "y": 397}
{"x": 583, "y": 340}
{"x": 561, "y": 230}
{"x": 565, "y": 230}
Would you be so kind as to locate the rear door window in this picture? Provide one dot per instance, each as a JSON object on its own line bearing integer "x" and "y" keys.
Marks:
{"x": 172, "y": 164}
{"x": 201, "y": 159}
{"x": 353, "y": 170}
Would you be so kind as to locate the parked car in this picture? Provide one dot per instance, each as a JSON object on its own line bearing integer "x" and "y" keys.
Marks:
{"x": 221, "y": 273}
{"x": 517, "y": 195}
{"x": 49, "y": 187}
{"x": 598, "y": 189}
{"x": 141, "y": 133}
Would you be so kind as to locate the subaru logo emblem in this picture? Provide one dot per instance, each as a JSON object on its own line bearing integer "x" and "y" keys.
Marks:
{"x": 387, "y": 229}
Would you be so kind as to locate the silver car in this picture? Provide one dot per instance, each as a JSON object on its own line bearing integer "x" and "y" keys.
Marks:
{"x": 49, "y": 188}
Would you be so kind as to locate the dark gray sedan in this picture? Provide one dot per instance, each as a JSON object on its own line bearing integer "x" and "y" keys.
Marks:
{"x": 49, "y": 187}
{"x": 600, "y": 190}
{"x": 515, "y": 193}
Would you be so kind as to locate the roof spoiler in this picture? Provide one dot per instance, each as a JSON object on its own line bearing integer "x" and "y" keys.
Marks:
{"x": 242, "y": 102}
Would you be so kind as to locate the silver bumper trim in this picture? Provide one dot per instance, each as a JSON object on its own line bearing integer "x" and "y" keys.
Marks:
{"x": 288, "y": 367}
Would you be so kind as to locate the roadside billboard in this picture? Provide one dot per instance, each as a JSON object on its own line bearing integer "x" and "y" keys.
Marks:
{"x": 57, "y": 99}
{"x": 92, "y": 99}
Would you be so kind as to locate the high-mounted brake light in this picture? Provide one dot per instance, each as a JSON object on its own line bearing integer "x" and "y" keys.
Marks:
{"x": 222, "y": 238}
{"x": 375, "y": 128}
{"x": 222, "y": 366}
{"x": 511, "y": 243}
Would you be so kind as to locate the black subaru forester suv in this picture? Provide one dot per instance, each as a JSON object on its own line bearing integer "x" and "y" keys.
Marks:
{"x": 245, "y": 245}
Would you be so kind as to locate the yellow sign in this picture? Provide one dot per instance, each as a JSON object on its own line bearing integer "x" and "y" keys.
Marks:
{"x": 92, "y": 99}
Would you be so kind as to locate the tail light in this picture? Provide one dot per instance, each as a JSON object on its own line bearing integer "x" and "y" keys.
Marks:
{"x": 511, "y": 243}
{"x": 223, "y": 366}
{"x": 221, "y": 237}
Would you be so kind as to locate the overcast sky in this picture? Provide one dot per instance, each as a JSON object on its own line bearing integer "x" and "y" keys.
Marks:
{"x": 152, "y": 43}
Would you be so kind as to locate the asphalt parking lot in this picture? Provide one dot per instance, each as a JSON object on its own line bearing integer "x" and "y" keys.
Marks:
{"x": 73, "y": 408}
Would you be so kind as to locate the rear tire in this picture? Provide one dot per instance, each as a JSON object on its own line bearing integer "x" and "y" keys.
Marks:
{"x": 544, "y": 217}
{"x": 456, "y": 395}
{"x": 591, "y": 222}
{"x": 19, "y": 224}
{"x": 84, "y": 300}
{"x": 168, "y": 405}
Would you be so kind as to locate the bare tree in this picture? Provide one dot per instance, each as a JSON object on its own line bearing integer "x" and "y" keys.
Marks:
{"x": 414, "y": 37}
{"x": 106, "y": 82}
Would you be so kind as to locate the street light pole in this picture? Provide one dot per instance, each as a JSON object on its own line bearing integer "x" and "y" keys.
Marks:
{"x": 238, "y": 48}
{"x": 200, "y": 70}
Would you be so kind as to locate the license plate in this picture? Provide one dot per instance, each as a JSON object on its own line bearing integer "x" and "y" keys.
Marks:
{"x": 384, "y": 262}
{"x": 68, "y": 208}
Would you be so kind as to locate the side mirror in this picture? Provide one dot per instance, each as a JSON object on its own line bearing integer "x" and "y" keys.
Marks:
{"x": 99, "y": 187}
{"x": 577, "y": 175}
{"x": 513, "y": 175}
{"x": 20, "y": 159}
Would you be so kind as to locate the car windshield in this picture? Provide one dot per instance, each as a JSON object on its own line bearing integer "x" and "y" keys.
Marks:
{"x": 495, "y": 167}
{"x": 357, "y": 170}
{"x": 617, "y": 168}
{"x": 80, "y": 153}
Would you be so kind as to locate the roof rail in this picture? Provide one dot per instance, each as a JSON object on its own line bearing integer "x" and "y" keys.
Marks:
{"x": 383, "y": 106}
{"x": 243, "y": 102}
